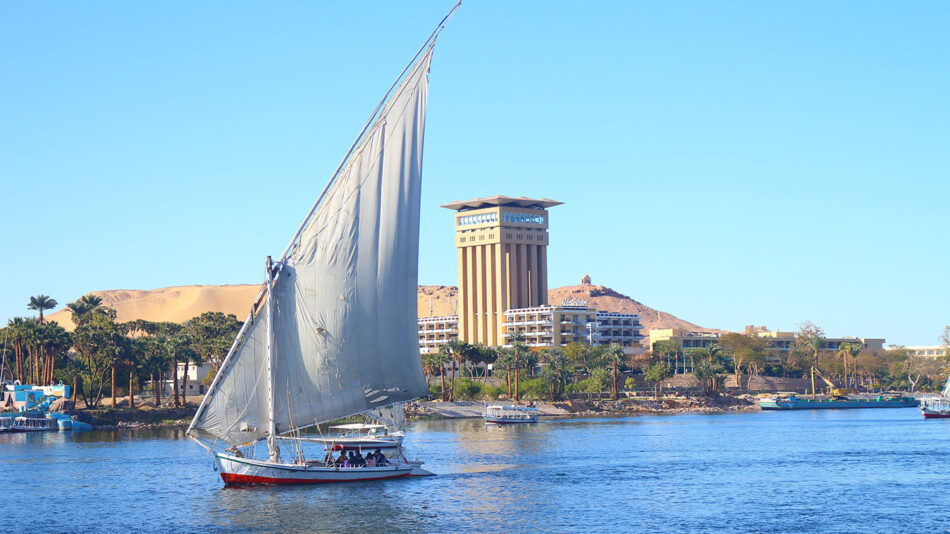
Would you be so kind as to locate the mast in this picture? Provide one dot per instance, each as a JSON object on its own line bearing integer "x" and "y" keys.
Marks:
{"x": 272, "y": 448}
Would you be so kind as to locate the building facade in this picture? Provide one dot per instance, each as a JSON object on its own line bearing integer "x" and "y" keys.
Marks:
{"x": 437, "y": 331}
{"x": 784, "y": 341}
{"x": 502, "y": 262}
{"x": 549, "y": 326}
{"x": 926, "y": 351}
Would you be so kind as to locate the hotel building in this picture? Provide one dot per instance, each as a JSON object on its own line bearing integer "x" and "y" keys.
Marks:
{"x": 784, "y": 341}
{"x": 502, "y": 261}
{"x": 503, "y": 284}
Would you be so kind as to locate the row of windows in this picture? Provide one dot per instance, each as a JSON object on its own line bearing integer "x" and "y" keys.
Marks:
{"x": 523, "y": 218}
{"x": 491, "y": 217}
{"x": 480, "y": 218}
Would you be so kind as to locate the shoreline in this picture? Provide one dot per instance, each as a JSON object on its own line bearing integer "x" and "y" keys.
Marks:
{"x": 166, "y": 417}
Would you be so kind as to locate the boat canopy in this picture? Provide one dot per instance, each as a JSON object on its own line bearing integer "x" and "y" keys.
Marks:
{"x": 358, "y": 426}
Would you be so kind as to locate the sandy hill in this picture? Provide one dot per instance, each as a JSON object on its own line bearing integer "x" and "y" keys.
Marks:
{"x": 178, "y": 304}
{"x": 175, "y": 304}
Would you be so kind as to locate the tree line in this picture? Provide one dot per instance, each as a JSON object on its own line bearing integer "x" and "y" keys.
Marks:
{"x": 582, "y": 368}
{"x": 102, "y": 356}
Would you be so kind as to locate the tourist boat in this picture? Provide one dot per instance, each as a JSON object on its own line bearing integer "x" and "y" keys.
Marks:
{"x": 332, "y": 333}
{"x": 29, "y": 424}
{"x": 938, "y": 407}
{"x": 505, "y": 415}
{"x": 793, "y": 402}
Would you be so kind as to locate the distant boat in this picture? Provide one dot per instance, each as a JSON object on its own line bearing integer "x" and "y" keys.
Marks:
{"x": 333, "y": 331}
{"x": 939, "y": 407}
{"x": 793, "y": 402}
{"x": 507, "y": 415}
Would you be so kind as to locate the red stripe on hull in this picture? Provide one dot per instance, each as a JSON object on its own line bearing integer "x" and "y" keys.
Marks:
{"x": 231, "y": 479}
{"x": 936, "y": 415}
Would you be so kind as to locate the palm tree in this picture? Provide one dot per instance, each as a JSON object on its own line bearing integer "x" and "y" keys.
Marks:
{"x": 557, "y": 370}
{"x": 617, "y": 356}
{"x": 455, "y": 350}
{"x": 848, "y": 352}
{"x": 17, "y": 328}
{"x": 516, "y": 340}
{"x": 93, "y": 301}
{"x": 40, "y": 303}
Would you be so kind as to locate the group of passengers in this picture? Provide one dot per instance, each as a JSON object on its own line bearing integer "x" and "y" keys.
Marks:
{"x": 356, "y": 459}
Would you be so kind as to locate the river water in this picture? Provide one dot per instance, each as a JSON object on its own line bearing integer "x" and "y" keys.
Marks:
{"x": 883, "y": 470}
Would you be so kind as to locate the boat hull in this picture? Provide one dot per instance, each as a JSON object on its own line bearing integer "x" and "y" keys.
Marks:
{"x": 498, "y": 421}
{"x": 242, "y": 471}
{"x": 835, "y": 404}
{"x": 936, "y": 415}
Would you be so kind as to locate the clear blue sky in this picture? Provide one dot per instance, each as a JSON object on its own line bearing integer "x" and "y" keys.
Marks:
{"x": 729, "y": 162}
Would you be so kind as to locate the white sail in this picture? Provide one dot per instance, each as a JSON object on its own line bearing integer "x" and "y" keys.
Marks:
{"x": 394, "y": 417}
{"x": 344, "y": 298}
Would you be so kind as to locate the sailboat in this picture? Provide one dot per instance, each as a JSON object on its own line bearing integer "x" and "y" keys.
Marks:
{"x": 332, "y": 333}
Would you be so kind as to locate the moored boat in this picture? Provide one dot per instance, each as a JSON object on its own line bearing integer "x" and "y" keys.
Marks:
{"x": 937, "y": 407}
{"x": 505, "y": 415}
{"x": 837, "y": 402}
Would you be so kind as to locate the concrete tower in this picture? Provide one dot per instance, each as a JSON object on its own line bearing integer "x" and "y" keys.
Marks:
{"x": 502, "y": 261}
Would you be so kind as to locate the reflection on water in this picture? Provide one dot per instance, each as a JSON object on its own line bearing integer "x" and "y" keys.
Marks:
{"x": 850, "y": 471}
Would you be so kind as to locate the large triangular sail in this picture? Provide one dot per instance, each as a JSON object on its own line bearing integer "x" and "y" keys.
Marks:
{"x": 343, "y": 301}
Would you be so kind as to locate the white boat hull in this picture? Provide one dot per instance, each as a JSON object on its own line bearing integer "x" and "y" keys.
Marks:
{"x": 244, "y": 471}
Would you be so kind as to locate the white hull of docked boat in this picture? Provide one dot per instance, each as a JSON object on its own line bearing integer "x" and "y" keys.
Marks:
{"x": 244, "y": 471}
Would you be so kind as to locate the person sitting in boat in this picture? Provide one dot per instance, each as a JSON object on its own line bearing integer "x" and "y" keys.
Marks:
{"x": 358, "y": 460}
{"x": 328, "y": 460}
{"x": 370, "y": 460}
{"x": 236, "y": 452}
{"x": 341, "y": 461}
{"x": 380, "y": 458}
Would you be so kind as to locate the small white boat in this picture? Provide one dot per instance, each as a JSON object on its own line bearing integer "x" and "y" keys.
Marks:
{"x": 504, "y": 415}
{"x": 361, "y": 436}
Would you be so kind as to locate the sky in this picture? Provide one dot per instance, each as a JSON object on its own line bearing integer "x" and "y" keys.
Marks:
{"x": 732, "y": 163}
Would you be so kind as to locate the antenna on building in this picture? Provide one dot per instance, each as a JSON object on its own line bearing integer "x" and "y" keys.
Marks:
{"x": 430, "y": 308}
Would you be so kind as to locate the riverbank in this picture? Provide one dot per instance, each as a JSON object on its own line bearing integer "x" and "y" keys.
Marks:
{"x": 145, "y": 414}
{"x": 598, "y": 407}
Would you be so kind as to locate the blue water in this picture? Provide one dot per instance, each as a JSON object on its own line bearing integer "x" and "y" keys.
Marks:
{"x": 842, "y": 471}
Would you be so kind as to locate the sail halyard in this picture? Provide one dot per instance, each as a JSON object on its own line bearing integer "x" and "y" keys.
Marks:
{"x": 353, "y": 261}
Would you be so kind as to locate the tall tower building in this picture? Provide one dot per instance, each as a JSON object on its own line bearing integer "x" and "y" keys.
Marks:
{"x": 502, "y": 261}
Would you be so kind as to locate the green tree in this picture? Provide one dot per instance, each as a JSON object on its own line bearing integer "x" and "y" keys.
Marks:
{"x": 433, "y": 363}
{"x": 456, "y": 351}
{"x": 742, "y": 348}
{"x": 506, "y": 360}
{"x": 518, "y": 347}
{"x": 710, "y": 368}
{"x": 211, "y": 336}
{"x": 100, "y": 343}
{"x": 811, "y": 340}
{"x": 556, "y": 372}
{"x": 657, "y": 373}
{"x": 617, "y": 357}
{"x": 41, "y": 303}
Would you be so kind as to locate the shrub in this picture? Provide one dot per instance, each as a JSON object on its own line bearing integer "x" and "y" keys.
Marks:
{"x": 534, "y": 388}
{"x": 493, "y": 392}
{"x": 436, "y": 390}
{"x": 466, "y": 389}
